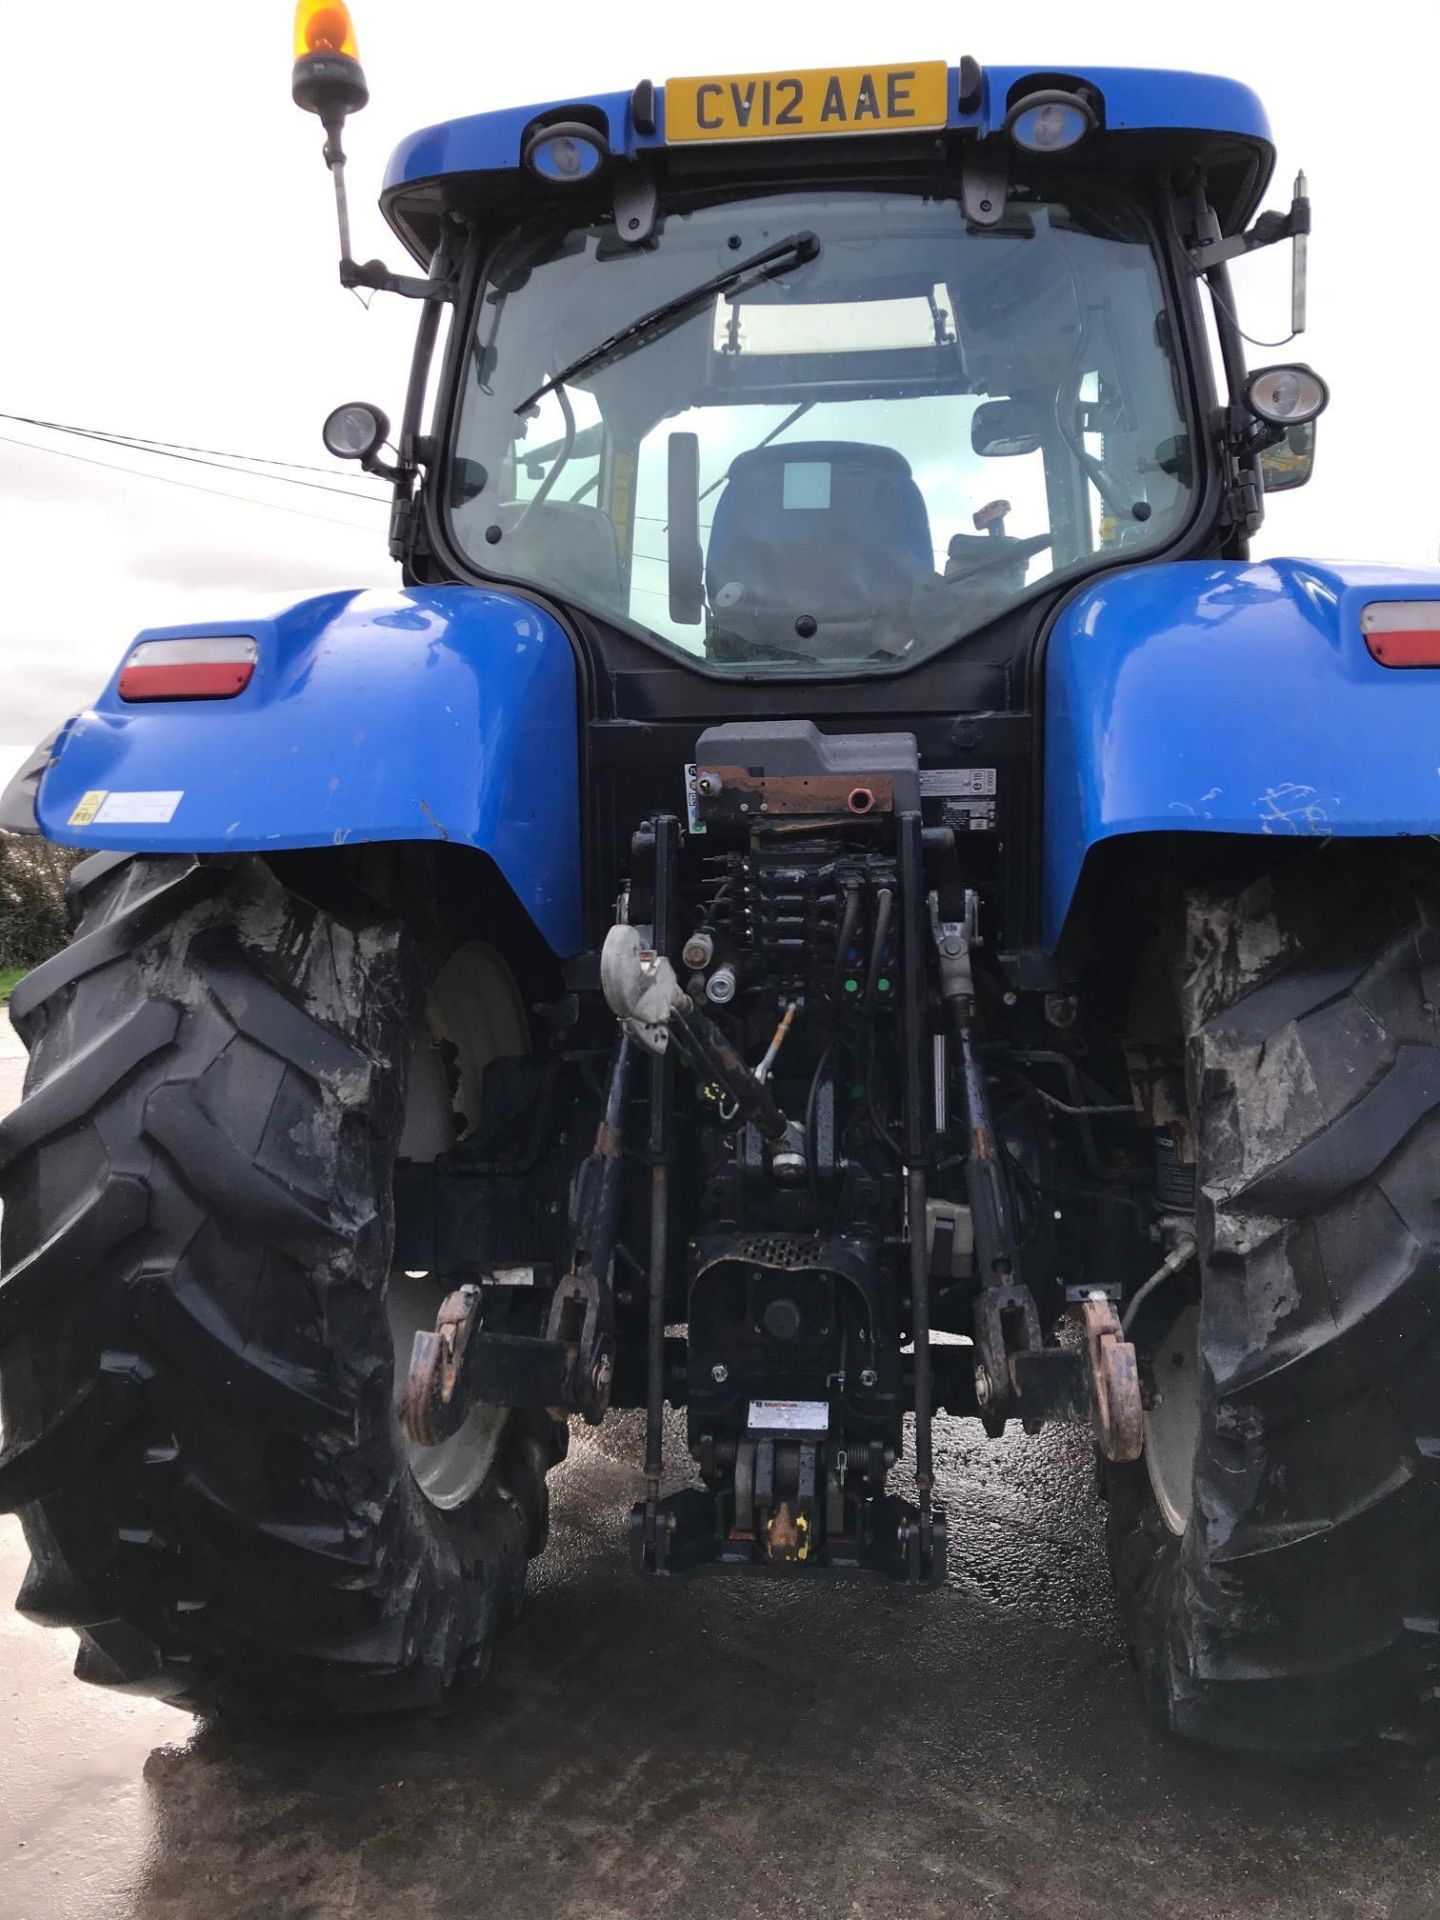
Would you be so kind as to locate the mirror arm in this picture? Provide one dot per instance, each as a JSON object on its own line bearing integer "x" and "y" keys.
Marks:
{"x": 1250, "y": 436}
{"x": 1268, "y": 231}
{"x": 373, "y": 274}
{"x": 378, "y": 277}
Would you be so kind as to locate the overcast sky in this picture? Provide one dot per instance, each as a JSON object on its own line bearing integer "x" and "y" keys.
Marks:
{"x": 169, "y": 259}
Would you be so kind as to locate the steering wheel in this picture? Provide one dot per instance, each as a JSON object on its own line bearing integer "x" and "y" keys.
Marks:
{"x": 1009, "y": 554}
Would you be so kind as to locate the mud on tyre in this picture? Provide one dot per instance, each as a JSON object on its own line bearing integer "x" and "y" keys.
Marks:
{"x": 196, "y": 1368}
{"x": 1292, "y": 1603}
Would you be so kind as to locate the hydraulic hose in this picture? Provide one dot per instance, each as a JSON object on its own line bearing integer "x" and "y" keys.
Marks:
{"x": 884, "y": 911}
{"x": 849, "y": 926}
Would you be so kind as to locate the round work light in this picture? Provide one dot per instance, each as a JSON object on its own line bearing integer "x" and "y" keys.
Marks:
{"x": 1049, "y": 122}
{"x": 1286, "y": 396}
{"x": 356, "y": 431}
{"x": 565, "y": 151}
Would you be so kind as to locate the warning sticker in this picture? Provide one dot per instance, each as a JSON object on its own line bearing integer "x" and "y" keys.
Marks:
{"x": 789, "y": 1416}
{"x": 88, "y": 805}
{"x": 137, "y": 808}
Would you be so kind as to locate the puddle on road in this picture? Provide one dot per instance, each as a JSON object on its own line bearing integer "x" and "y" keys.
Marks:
{"x": 76, "y": 1817}
{"x": 724, "y": 1749}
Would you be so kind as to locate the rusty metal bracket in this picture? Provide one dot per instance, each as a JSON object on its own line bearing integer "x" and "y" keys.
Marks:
{"x": 457, "y": 1362}
{"x": 582, "y": 1322}
{"x": 434, "y": 1407}
{"x": 1118, "y": 1416}
{"x": 1007, "y": 1324}
{"x": 740, "y": 797}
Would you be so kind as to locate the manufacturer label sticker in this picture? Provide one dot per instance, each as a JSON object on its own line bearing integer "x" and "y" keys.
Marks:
{"x": 789, "y": 1416}
{"x": 959, "y": 783}
{"x": 136, "y": 809}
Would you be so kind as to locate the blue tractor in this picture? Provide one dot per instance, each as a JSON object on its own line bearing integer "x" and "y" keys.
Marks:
{"x": 835, "y": 894}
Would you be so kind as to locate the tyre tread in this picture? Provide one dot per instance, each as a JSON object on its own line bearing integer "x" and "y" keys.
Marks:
{"x": 1286, "y": 1619}
{"x": 147, "y": 1397}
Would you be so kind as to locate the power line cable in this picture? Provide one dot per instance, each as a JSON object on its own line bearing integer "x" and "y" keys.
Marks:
{"x": 130, "y": 446}
{"x": 170, "y": 446}
{"x": 164, "y": 480}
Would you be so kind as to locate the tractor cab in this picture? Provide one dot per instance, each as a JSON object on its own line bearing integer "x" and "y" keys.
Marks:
{"x": 842, "y": 459}
{"x": 829, "y": 373}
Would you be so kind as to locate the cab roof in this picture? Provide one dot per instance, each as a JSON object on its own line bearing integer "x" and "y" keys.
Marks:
{"x": 1220, "y": 123}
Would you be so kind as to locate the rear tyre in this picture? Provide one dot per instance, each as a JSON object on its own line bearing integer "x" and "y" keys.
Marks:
{"x": 1277, "y": 1557}
{"x": 197, "y": 1367}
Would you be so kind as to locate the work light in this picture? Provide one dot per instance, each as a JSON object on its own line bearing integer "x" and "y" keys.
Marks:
{"x": 1286, "y": 396}
{"x": 1049, "y": 122}
{"x": 565, "y": 152}
{"x": 355, "y": 431}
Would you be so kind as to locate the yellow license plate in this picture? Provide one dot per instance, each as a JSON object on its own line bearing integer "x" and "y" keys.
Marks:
{"x": 768, "y": 106}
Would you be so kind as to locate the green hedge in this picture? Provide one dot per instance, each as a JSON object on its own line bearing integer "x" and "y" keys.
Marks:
{"x": 33, "y": 920}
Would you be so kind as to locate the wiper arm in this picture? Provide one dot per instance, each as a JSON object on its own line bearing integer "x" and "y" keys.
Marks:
{"x": 797, "y": 251}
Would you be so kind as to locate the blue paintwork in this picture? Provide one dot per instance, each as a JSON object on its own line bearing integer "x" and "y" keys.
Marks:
{"x": 1232, "y": 697}
{"x": 1135, "y": 98}
{"x": 444, "y": 713}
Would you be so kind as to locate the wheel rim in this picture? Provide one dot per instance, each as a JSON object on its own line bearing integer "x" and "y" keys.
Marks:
{"x": 473, "y": 1015}
{"x": 1172, "y": 1425}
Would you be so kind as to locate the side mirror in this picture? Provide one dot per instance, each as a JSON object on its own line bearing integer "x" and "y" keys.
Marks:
{"x": 1291, "y": 461}
{"x": 1000, "y": 428}
{"x": 1285, "y": 401}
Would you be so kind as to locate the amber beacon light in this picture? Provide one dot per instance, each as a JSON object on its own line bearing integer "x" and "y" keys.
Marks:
{"x": 328, "y": 78}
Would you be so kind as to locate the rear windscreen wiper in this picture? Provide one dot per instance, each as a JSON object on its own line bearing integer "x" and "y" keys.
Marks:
{"x": 797, "y": 251}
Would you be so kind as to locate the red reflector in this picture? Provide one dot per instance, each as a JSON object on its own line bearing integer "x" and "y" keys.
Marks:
{"x": 1403, "y": 633}
{"x": 184, "y": 683}
{"x": 213, "y": 668}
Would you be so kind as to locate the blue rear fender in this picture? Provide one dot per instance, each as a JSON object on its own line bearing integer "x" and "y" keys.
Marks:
{"x": 446, "y": 713}
{"x": 1226, "y": 697}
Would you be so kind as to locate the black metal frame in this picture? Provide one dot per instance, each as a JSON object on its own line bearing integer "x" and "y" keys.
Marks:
{"x": 928, "y": 1547}
{"x": 650, "y": 1529}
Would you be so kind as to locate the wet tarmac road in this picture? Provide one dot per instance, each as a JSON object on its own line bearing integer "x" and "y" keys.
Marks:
{"x": 715, "y": 1751}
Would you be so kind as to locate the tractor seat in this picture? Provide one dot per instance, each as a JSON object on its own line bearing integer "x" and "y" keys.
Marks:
{"x": 829, "y": 531}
